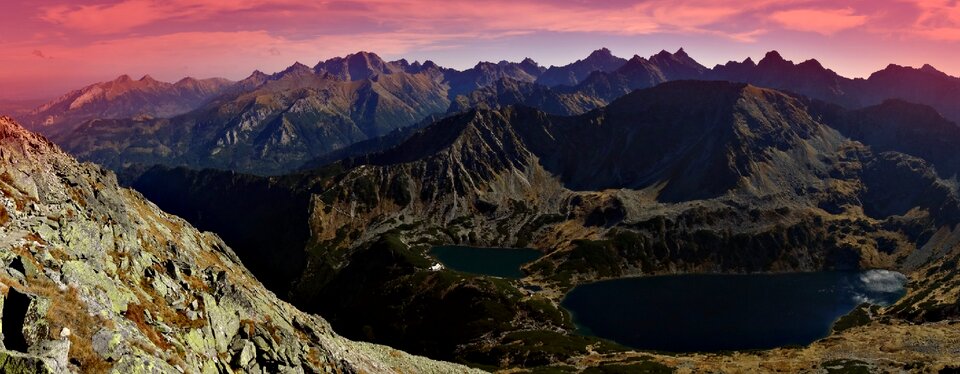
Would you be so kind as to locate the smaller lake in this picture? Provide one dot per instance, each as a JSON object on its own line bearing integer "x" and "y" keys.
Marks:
{"x": 708, "y": 313}
{"x": 497, "y": 262}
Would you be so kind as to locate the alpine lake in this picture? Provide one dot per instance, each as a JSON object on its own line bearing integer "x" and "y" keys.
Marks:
{"x": 700, "y": 312}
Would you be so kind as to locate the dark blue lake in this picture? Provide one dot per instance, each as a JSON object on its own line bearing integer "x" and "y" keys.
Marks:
{"x": 497, "y": 262}
{"x": 702, "y": 313}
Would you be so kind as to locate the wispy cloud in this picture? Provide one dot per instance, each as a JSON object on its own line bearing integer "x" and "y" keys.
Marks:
{"x": 432, "y": 15}
{"x": 938, "y": 19}
{"x": 821, "y": 21}
{"x": 125, "y": 15}
{"x": 223, "y": 37}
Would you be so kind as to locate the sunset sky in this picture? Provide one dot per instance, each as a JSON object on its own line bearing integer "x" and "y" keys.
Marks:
{"x": 48, "y": 47}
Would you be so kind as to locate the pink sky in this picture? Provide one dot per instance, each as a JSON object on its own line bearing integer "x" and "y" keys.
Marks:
{"x": 48, "y": 47}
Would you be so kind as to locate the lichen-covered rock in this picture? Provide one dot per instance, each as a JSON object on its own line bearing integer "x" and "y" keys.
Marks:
{"x": 114, "y": 284}
{"x": 16, "y": 363}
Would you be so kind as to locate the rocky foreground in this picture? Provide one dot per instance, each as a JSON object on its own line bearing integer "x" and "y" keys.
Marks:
{"x": 95, "y": 278}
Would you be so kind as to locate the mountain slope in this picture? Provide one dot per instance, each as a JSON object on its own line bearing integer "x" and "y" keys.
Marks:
{"x": 95, "y": 278}
{"x": 914, "y": 129}
{"x": 506, "y": 92}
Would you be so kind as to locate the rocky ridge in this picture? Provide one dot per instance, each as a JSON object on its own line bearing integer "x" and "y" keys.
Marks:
{"x": 97, "y": 279}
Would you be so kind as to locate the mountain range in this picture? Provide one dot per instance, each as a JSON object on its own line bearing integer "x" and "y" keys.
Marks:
{"x": 722, "y": 177}
{"x": 272, "y": 124}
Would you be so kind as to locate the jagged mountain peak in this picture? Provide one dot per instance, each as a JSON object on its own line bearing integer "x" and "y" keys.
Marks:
{"x": 187, "y": 80}
{"x": 256, "y": 78}
{"x": 365, "y": 57}
{"x": 603, "y": 52}
{"x": 812, "y": 64}
{"x": 358, "y": 66}
{"x": 680, "y": 55}
{"x": 257, "y": 74}
{"x": 602, "y": 56}
{"x": 678, "y": 65}
{"x": 356, "y": 56}
{"x": 296, "y": 67}
{"x": 773, "y": 58}
{"x": 527, "y": 61}
{"x": 639, "y": 65}
{"x": 295, "y": 71}
{"x": 125, "y": 83}
{"x": 600, "y": 60}
{"x": 482, "y": 65}
{"x": 927, "y": 68}
{"x": 893, "y": 67}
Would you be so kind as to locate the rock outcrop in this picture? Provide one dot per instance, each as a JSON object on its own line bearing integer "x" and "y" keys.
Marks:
{"x": 95, "y": 278}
